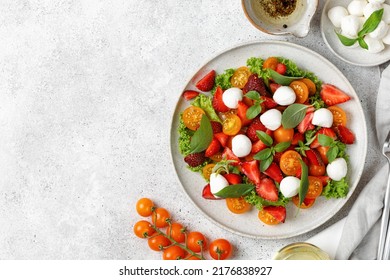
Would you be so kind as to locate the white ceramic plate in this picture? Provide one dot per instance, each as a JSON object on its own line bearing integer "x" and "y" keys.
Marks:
{"x": 248, "y": 224}
{"x": 355, "y": 56}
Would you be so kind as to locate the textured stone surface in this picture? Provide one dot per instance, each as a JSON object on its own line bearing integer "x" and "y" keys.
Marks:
{"x": 87, "y": 91}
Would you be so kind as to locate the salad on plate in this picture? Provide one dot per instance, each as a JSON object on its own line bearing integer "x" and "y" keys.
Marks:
{"x": 264, "y": 135}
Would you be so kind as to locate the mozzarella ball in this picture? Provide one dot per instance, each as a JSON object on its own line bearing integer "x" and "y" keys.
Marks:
{"x": 376, "y": 1}
{"x": 337, "y": 169}
{"x": 241, "y": 145}
{"x": 350, "y": 26}
{"x": 335, "y": 15}
{"x": 374, "y": 45}
{"x": 271, "y": 119}
{"x": 217, "y": 183}
{"x": 231, "y": 97}
{"x": 386, "y": 39}
{"x": 370, "y": 8}
{"x": 284, "y": 95}
{"x": 322, "y": 117}
{"x": 356, "y": 7}
{"x": 380, "y": 31}
{"x": 289, "y": 186}
{"x": 386, "y": 13}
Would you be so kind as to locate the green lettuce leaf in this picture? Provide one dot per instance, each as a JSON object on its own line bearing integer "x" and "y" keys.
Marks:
{"x": 223, "y": 80}
{"x": 336, "y": 189}
{"x": 205, "y": 102}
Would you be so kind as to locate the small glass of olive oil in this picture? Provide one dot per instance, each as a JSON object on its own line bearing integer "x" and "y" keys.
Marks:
{"x": 301, "y": 251}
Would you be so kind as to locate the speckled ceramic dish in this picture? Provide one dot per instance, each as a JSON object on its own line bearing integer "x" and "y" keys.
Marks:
{"x": 248, "y": 224}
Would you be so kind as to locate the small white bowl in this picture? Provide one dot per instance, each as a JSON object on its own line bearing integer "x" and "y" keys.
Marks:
{"x": 297, "y": 23}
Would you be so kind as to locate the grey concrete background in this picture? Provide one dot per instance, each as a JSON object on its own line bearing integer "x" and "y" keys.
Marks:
{"x": 87, "y": 91}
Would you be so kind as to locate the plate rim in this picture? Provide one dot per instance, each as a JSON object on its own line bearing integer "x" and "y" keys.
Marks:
{"x": 172, "y": 128}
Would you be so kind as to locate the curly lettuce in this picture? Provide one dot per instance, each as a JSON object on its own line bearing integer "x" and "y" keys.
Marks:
{"x": 205, "y": 103}
{"x": 223, "y": 80}
{"x": 336, "y": 189}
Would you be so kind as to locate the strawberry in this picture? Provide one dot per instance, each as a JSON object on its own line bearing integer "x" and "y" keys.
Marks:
{"x": 241, "y": 113}
{"x": 190, "y": 94}
{"x": 332, "y": 95}
{"x": 324, "y": 180}
{"x": 313, "y": 157}
{"x": 255, "y": 83}
{"x": 233, "y": 178}
{"x": 213, "y": 148}
{"x": 222, "y": 138}
{"x": 345, "y": 135}
{"x": 274, "y": 86}
{"x": 326, "y": 131}
{"x": 251, "y": 170}
{"x": 278, "y": 212}
{"x": 207, "y": 194}
{"x": 281, "y": 68}
{"x": 207, "y": 82}
{"x": 274, "y": 172}
{"x": 297, "y": 137}
{"x": 229, "y": 155}
{"x": 269, "y": 103}
{"x": 251, "y": 131}
{"x": 258, "y": 146}
{"x": 306, "y": 124}
{"x": 217, "y": 102}
{"x": 216, "y": 126}
{"x": 195, "y": 159}
{"x": 267, "y": 189}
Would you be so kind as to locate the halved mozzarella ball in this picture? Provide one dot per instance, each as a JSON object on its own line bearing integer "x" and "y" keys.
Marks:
{"x": 322, "y": 117}
{"x": 337, "y": 169}
{"x": 374, "y": 45}
{"x": 284, "y": 95}
{"x": 217, "y": 182}
{"x": 231, "y": 97}
{"x": 289, "y": 186}
{"x": 241, "y": 145}
{"x": 386, "y": 13}
{"x": 271, "y": 119}
{"x": 356, "y": 7}
{"x": 370, "y": 8}
{"x": 386, "y": 39}
{"x": 376, "y": 1}
{"x": 350, "y": 26}
{"x": 335, "y": 15}
{"x": 380, "y": 31}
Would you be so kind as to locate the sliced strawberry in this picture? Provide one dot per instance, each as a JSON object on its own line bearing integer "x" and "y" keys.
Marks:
{"x": 241, "y": 113}
{"x": 314, "y": 157}
{"x": 222, "y": 138}
{"x": 216, "y": 126}
{"x": 274, "y": 86}
{"x": 195, "y": 159}
{"x": 281, "y": 68}
{"x": 324, "y": 180}
{"x": 332, "y": 95}
{"x": 269, "y": 102}
{"x": 345, "y": 135}
{"x": 306, "y": 124}
{"x": 251, "y": 170}
{"x": 278, "y": 212}
{"x": 207, "y": 194}
{"x": 274, "y": 172}
{"x": 207, "y": 82}
{"x": 217, "y": 102}
{"x": 233, "y": 178}
{"x": 255, "y": 83}
{"x": 190, "y": 94}
{"x": 326, "y": 131}
{"x": 267, "y": 189}
{"x": 297, "y": 137}
{"x": 258, "y": 146}
{"x": 251, "y": 131}
{"x": 229, "y": 155}
{"x": 213, "y": 148}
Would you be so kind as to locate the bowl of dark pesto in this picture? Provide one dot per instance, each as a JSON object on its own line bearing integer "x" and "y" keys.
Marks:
{"x": 281, "y": 17}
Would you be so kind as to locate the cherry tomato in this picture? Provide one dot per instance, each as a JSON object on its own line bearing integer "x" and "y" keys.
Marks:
{"x": 339, "y": 115}
{"x": 196, "y": 241}
{"x": 231, "y": 125}
{"x": 193, "y": 258}
{"x": 217, "y": 157}
{"x": 143, "y": 229}
{"x": 220, "y": 249}
{"x": 267, "y": 218}
{"x": 315, "y": 188}
{"x": 192, "y": 116}
{"x": 161, "y": 217}
{"x": 289, "y": 162}
{"x": 174, "y": 253}
{"x": 144, "y": 207}
{"x": 240, "y": 77}
{"x": 283, "y": 134}
{"x": 307, "y": 202}
{"x": 271, "y": 63}
{"x": 311, "y": 86}
{"x": 238, "y": 205}
{"x": 176, "y": 231}
{"x": 158, "y": 242}
{"x": 316, "y": 170}
{"x": 207, "y": 170}
{"x": 322, "y": 151}
{"x": 301, "y": 91}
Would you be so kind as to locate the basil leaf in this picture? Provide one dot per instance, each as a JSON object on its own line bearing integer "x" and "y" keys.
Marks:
{"x": 293, "y": 115}
{"x": 325, "y": 140}
{"x": 332, "y": 153}
{"x": 264, "y": 164}
{"x": 253, "y": 95}
{"x": 345, "y": 40}
{"x": 235, "y": 190}
{"x": 280, "y": 79}
{"x": 304, "y": 185}
{"x": 280, "y": 147}
{"x": 371, "y": 23}
{"x": 263, "y": 155}
{"x": 202, "y": 137}
{"x": 264, "y": 137}
{"x": 363, "y": 43}
{"x": 253, "y": 111}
